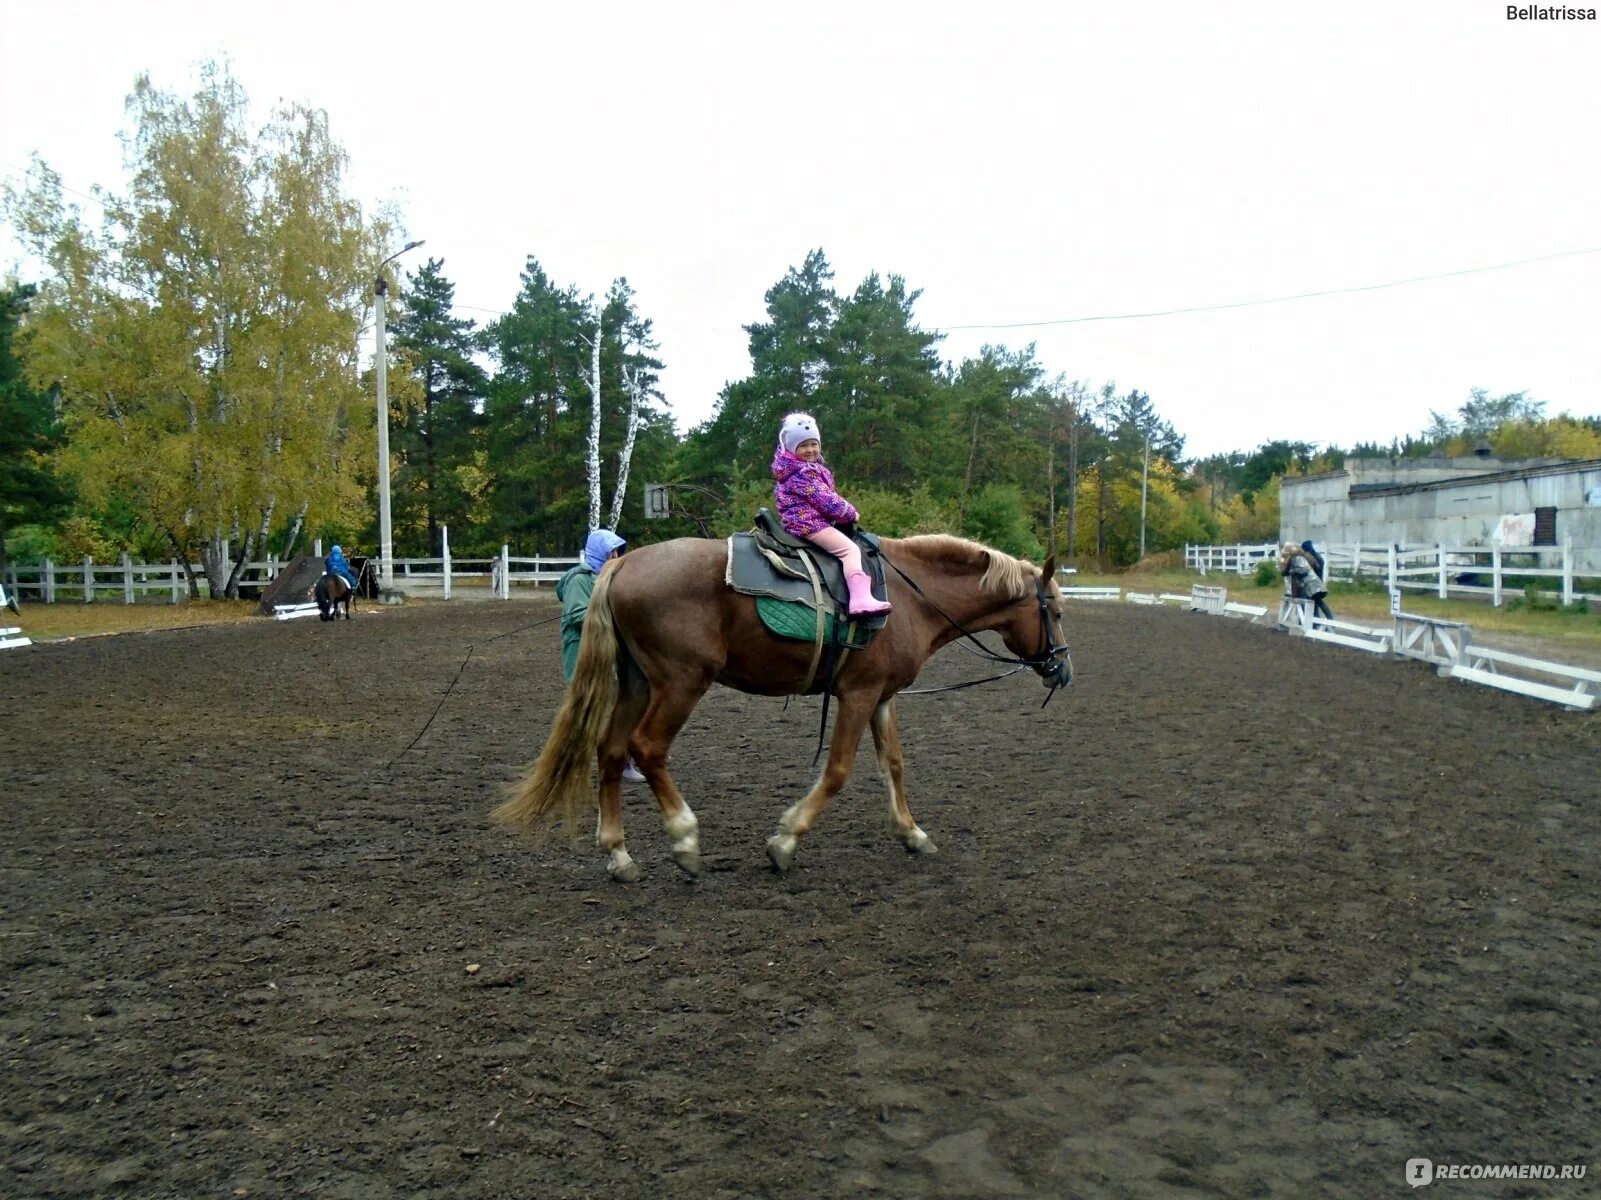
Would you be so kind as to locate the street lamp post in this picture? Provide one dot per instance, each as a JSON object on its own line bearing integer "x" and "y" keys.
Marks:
{"x": 1145, "y": 482}
{"x": 386, "y": 537}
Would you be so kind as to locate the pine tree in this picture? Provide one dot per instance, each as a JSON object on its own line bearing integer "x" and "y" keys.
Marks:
{"x": 878, "y": 399}
{"x": 437, "y": 439}
{"x": 30, "y": 491}
{"x": 541, "y": 408}
{"x": 535, "y": 441}
{"x": 790, "y": 355}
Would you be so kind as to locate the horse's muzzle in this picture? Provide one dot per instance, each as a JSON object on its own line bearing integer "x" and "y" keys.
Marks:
{"x": 1058, "y": 674}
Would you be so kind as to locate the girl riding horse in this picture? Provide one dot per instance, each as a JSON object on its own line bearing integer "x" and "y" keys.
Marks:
{"x": 663, "y": 627}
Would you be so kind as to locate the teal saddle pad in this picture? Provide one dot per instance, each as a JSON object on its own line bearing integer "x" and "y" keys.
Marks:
{"x": 787, "y": 619}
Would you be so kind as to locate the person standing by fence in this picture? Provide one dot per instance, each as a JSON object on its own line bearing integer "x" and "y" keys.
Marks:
{"x": 1321, "y": 586}
{"x": 1302, "y": 579}
{"x": 573, "y": 590}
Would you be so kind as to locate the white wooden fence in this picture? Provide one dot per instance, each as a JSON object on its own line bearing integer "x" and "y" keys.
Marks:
{"x": 129, "y": 582}
{"x": 1229, "y": 560}
{"x": 1446, "y": 644}
{"x": 48, "y": 582}
{"x": 450, "y": 578}
{"x": 1449, "y": 646}
{"x": 1439, "y": 569}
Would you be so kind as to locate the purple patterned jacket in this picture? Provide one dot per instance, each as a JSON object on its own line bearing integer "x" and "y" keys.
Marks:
{"x": 805, "y": 495}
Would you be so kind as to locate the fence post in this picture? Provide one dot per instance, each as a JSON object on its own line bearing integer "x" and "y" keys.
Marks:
{"x": 127, "y": 578}
{"x": 1389, "y": 568}
{"x": 1439, "y": 549}
{"x": 88, "y": 580}
{"x": 173, "y": 568}
{"x": 49, "y": 582}
{"x": 505, "y": 571}
{"x": 316, "y": 547}
{"x": 1567, "y": 571}
{"x": 444, "y": 558}
{"x": 1495, "y": 576}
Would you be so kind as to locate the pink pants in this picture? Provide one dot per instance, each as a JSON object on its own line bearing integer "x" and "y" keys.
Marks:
{"x": 840, "y": 546}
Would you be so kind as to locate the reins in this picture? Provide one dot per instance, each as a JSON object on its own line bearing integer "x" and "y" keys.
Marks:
{"x": 983, "y": 651}
{"x": 956, "y": 687}
{"x": 1046, "y": 656}
{"x": 471, "y": 646}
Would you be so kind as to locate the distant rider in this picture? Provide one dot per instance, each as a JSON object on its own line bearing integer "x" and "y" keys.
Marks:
{"x": 336, "y": 565}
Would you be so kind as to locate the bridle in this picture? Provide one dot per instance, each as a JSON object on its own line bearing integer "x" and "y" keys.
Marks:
{"x": 1051, "y": 662}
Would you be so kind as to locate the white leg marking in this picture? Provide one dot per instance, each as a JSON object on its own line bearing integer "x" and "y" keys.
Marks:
{"x": 885, "y": 774}
{"x": 684, "y": 830}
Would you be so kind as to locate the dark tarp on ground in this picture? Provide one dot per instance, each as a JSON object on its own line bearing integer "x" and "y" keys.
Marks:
{"x": 299, "y": 576}
{"x": 294, "y": 584}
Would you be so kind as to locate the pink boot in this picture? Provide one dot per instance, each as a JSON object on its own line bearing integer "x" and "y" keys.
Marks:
{"x": 862, "y": 603}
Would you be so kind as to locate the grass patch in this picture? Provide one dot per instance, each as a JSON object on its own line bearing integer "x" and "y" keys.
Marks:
{"x": 48, "y": 622}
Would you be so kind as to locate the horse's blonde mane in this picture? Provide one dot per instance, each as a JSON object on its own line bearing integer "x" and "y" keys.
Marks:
{"x": 1005, "y": 575}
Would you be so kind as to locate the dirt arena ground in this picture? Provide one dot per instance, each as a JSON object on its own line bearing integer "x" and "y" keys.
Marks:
{"x": 1237, "y": 916}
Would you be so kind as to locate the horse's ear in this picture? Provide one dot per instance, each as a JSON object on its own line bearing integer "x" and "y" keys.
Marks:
{"x": 1049, "y": 569}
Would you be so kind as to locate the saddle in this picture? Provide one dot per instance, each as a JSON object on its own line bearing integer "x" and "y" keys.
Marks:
{"x": 800, "y": 588}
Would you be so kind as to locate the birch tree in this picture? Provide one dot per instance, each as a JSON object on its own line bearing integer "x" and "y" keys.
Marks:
{"x": 638, "y": 372}
{"x": 592, "y": 461}
{"x": 628, "y": 335}
{"x": 625, "y": 456}
{"x": 204, "y": 341}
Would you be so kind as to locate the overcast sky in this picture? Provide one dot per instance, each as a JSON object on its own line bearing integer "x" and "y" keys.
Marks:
{"x": 1016, "y": 162}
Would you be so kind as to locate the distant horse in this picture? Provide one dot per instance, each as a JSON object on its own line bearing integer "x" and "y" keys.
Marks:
{"x": 663, "y": 627}
{"x": 332, "y": 591}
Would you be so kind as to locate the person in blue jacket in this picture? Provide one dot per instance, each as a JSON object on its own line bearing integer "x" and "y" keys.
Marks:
{"x": 573, "y": 590}
{"x": 336, "y": 565}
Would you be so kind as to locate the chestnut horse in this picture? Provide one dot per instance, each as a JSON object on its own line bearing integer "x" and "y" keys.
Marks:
{"x": 663, "y": 627}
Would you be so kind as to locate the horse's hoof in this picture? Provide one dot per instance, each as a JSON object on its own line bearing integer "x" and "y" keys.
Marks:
{"x": 918, "y": 842}
{"x": 688, "y": 862}
{"x": 782, "y": 854}
{"x": 627, "y": 872}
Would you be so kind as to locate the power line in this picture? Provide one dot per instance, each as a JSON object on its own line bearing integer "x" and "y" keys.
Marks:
{"x": 1201, "y": 308}
{"x": 95, "y": 200}
{"x": 1141, "y": 316}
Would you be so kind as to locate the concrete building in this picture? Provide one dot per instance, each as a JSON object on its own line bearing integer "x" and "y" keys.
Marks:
{"x": 1455, "y": 502}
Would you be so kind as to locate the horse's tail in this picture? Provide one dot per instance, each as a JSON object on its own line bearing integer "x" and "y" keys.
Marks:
{"x": 557, "y": 787}
{"x": 324, "y": 605}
